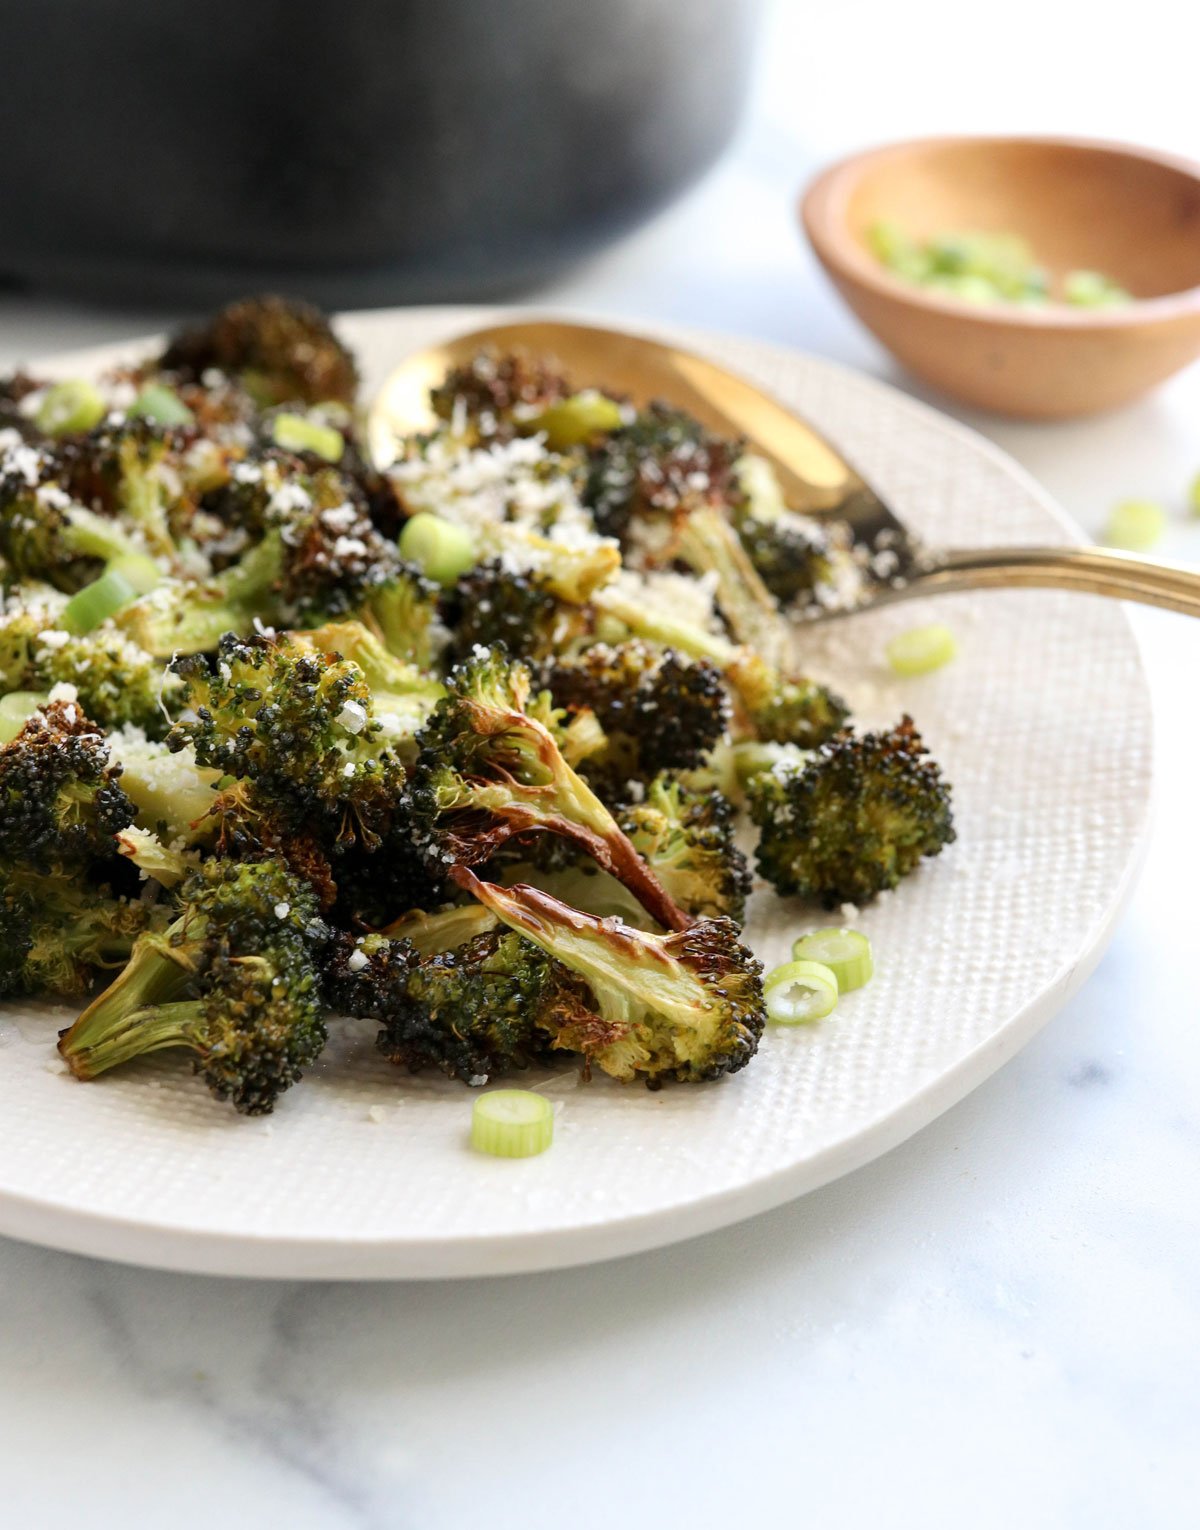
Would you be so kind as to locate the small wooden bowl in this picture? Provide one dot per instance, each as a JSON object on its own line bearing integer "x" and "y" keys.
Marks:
{"x": 1130, "y": 213}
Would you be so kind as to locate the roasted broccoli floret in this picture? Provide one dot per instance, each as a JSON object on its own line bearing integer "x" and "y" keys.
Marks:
{"x": 234, "y": 979}
{"x": 278, "y": 349}
{"x": 46, "y": 534}
{"x": 132, "y": 469}
{"x": 853, "y": 818}
{"x": 687, "y": 1005}
{"x": 402, "y": 696}
{"x": 495, "y": 604}
{"x": 489, "y": 769}
{"x": 768, "y": 704}
{"x": 318, "y": 558}
{"x": 60, "y": 797}
{"x": 658, "y": 709}
{"x": 687, "y": 839}
{"x": 666, "y": 488}
{"x": 496, "y": 393}
{"x": 57, "y": 932}
{"x": 300, "y": 726}
{"x": 476, "y": 1011}
{"x": 115, "y": 681}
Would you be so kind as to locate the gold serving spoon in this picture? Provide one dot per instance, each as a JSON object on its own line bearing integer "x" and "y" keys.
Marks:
{"x": 815, "y": 478}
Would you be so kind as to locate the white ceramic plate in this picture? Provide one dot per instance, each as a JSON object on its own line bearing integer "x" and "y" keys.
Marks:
{"x": 1043, "y": 725}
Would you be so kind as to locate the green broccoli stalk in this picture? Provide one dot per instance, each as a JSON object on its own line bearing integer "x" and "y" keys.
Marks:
{"x": 853, "y": 818}
{"x": 489, "y": 770}
{"x": 687, "y": 840}
{"x": 234, "y": 979}
{"x": 279, "y": 350}
{"x": 686, "y": 1005}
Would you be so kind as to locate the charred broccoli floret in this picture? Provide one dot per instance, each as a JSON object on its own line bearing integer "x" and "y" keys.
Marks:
{"x": 132, "y": 469}
{"x": 60, "y": 797}
{"x": 768, "y": 703}
{"x": 234, "y": 979}
{"x": 46, "y": 534}
{"x": 488, "y": 770}
{"x": 494, "y": 604}
{"x": 658, "y": 709}
{"x": 687, "y": 839}
{"x": 318, "y": 558}
{"x": 57, "y": 932}
{"x": 115, "y": 681}
{"x": 476, "y": 1011}
{"x": 853, "y": 818}
{"x": 279, "y": 349}
{"x": 687, "y": 1005}
{"x": 300, "y": 726}
{"x": 497, "y": 392}
{"x": 665, "y": 487}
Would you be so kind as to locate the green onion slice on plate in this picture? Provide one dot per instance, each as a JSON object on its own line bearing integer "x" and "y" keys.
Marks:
{"x": 511, "y": 1123}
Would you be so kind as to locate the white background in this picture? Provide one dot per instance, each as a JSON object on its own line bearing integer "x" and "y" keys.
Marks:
{"x": 998, "y": 1324}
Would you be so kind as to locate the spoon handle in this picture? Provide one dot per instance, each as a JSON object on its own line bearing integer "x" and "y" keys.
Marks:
{"x": 1089, "y": 570}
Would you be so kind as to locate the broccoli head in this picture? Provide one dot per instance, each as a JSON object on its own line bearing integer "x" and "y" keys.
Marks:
{"x": 852, "y": 818}
{"x": 234, "y": 979}
{"x": 278, "y": 349}
{"x": 58, "y": 931}
{"x": 60, "y": 798}
{"x": 687, "y": 839}
{"x": 299, "y": 725}
{"x": 496, "y": 604}
{"x": 497, "y": 392}
{"x": 475, "y": 1011}
{"x": 659, "y": 710}
{"x": 488, "y": 769}
{"x": 115, "y": 682}
{"x": 687, "y": 1005}
{"x": 45, "y": 533}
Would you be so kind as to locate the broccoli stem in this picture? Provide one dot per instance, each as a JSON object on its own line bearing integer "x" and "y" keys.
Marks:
{"x": 152, "y": 1029}
{"x": 114, "y": 1027}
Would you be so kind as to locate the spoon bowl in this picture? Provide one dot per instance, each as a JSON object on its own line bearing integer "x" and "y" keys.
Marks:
{"x": 1130, "y": 213}
{"x": 813, "y": 475}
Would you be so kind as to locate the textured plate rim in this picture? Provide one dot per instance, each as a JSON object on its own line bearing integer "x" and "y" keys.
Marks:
{"x": 190, "y": 1250}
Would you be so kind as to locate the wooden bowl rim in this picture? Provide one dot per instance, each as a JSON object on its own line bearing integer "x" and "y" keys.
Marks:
{"x": 823, "y": 200}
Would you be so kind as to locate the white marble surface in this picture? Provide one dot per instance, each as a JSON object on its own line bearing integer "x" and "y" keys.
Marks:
{"x": 996, "y": 1325}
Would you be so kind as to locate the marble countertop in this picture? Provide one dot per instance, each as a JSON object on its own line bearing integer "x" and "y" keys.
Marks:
{"x": 996, "y": 1324}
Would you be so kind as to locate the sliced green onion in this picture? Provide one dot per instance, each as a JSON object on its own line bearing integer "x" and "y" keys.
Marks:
{"x": 141, "y": 571}
{"x": 574, "y": 420}
{"x": 15, "y": 711}
{"x": 161, "y": 404}
{"x": 1092, "y": 289}
{"x": 439, "y": 548}
{"x": 846, "y": 953}
{"x": 296, "y": 434}
{"x": 921, "y": 649}
{"x": 1135, "y": 525}
{"x": 97, "y": 601}
{"x": 70, "y": 406}
{"x": 512, "y": 1123}
{"x": 798, "y": 992}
